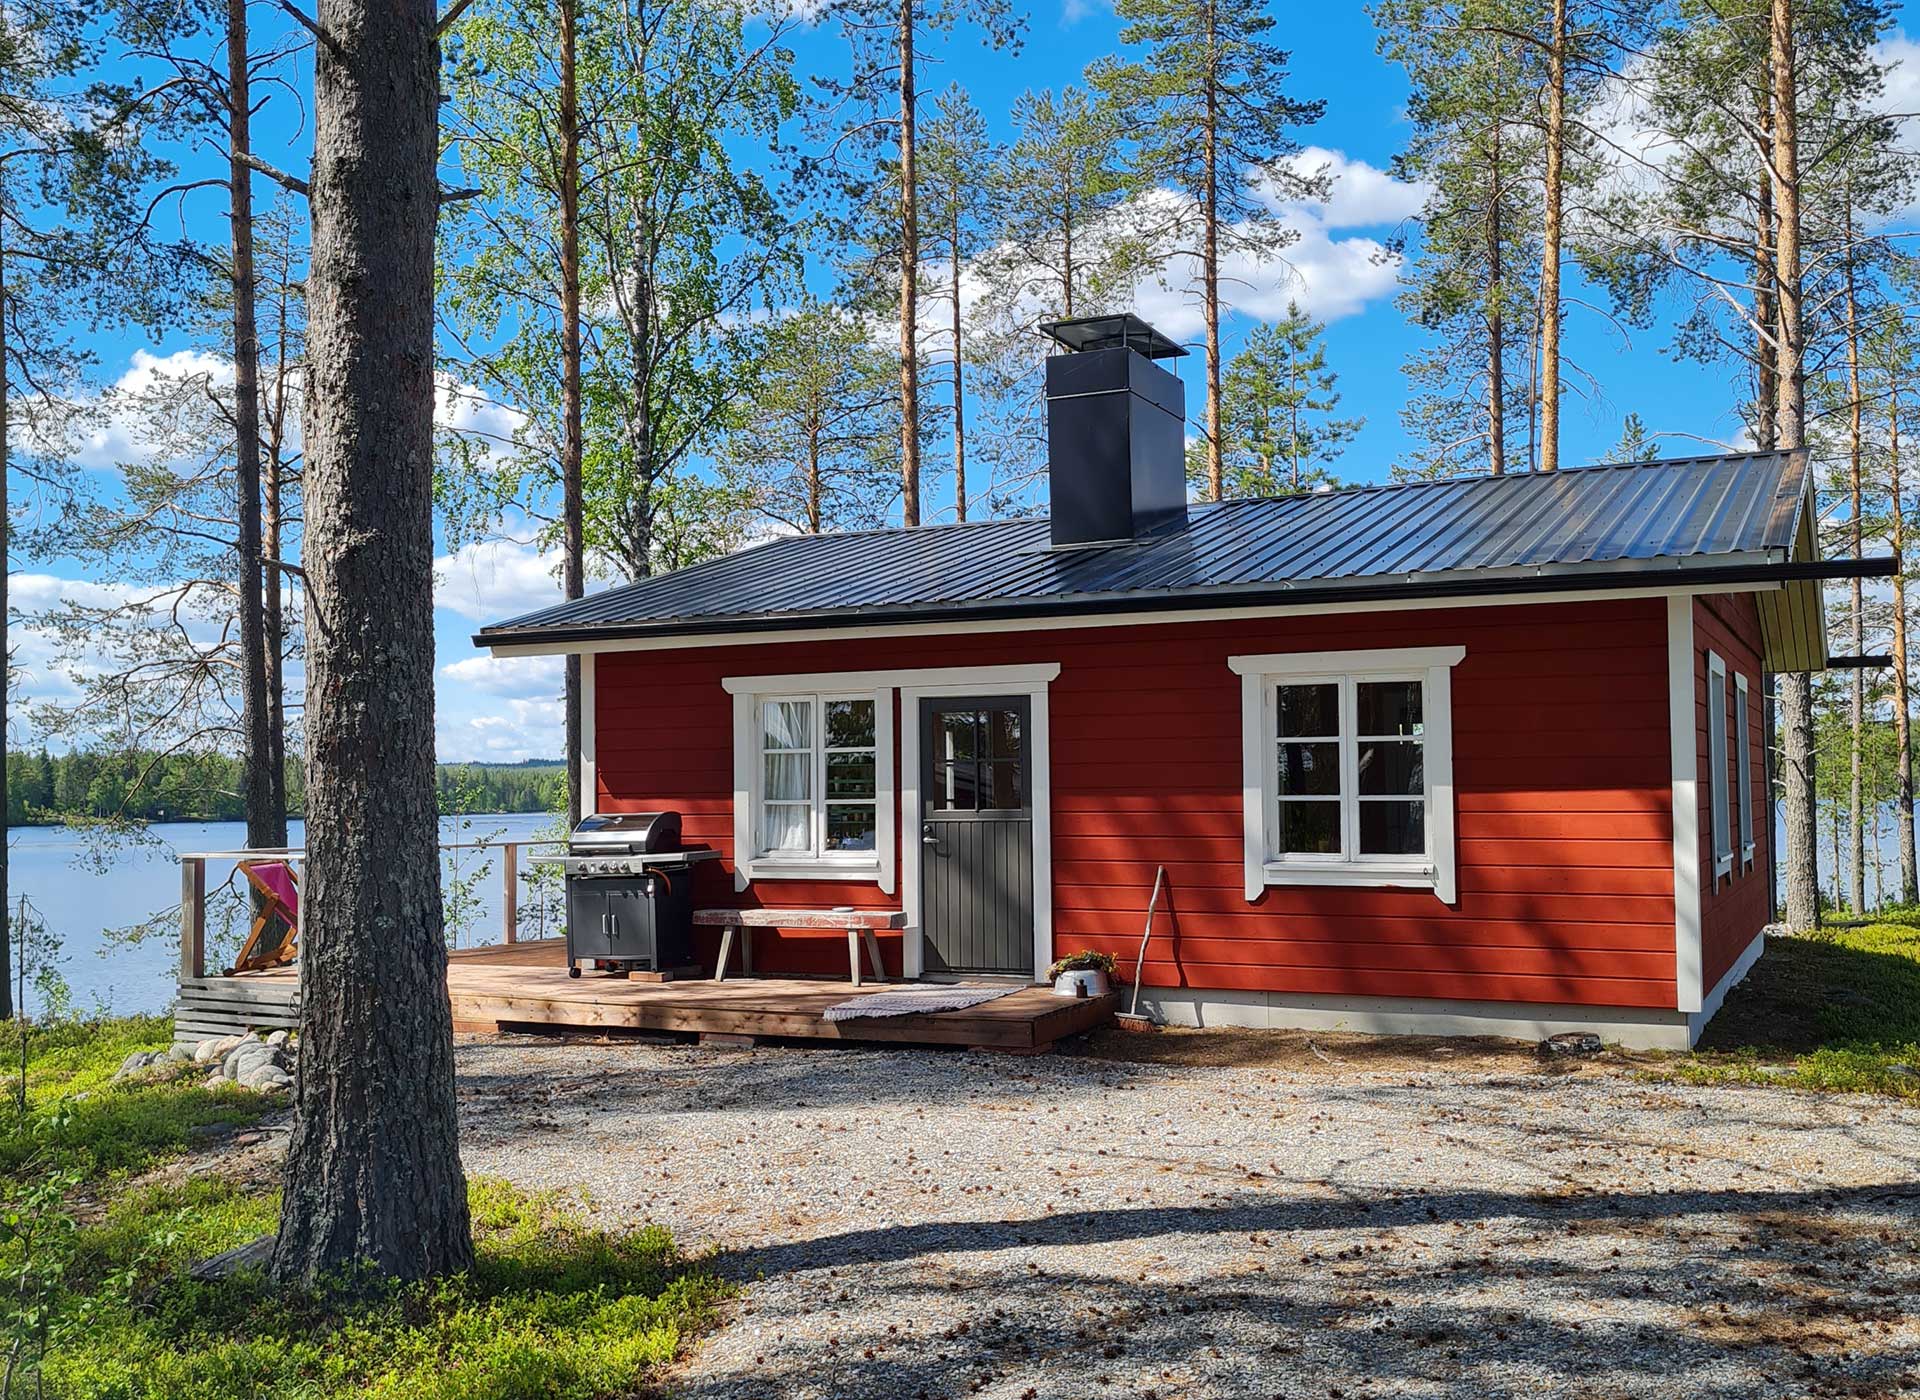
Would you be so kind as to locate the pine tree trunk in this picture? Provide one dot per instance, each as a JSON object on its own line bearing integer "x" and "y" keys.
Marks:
{"x": 909, "y": 282}
{"x": 273, "y": 529}
{"x": 373, "y": 1177}
{"x": 7, "y": 1008}
{"x": 1766, "y": 312}
{"x": 1550, "y": 242}
{"x": 1496, "y": 324}
{"x": 1902, "y": 705}
{"x": 1210, "y": 266}
{"x": 959, "y": 374}
{"x": 256, "y": 778}
{"x": 572, "y": 447}
{"x": 1796, "y": 688}
{"x": 1856, "y": 811}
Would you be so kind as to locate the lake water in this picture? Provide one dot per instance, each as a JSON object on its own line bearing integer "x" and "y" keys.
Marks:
{"x": 81, "y": 891}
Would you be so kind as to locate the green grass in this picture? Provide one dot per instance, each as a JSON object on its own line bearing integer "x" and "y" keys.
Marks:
{"x": 1837, "y": 1011}
{"x": 552, "y": 1309}
{"x": 79, "y": 1117}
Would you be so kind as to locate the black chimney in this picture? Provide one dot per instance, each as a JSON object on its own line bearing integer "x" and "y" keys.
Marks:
{"x": 1116, "y": 432}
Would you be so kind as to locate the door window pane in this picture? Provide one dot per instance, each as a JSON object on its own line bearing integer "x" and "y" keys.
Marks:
{"x": 954, "y": 732}
{"x": 1392, "y": 767}
{"x": 1310, "y": 828}
{"x": 1003, "y": 733}
{"x": 956, "y": 787}
{"x": 1309, "y": 711}
{"x": 1309, "y": 770}
{"x": 850, "y": 827}
{"x": 1389, "y": 707}
{"x": 849, "y": 724}
{"x": 1393, "y": 828}
{"x": 1002, "y": 788}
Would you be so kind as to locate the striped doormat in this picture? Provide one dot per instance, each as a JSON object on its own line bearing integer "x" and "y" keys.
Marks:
{"x": 917, "y": 1001}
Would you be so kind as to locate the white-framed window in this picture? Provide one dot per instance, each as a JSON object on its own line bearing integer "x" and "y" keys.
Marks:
{"x": 814, "y": 790}
{"x": 1348, "y": 768}
{"x": 1744, "y": 755}
{"x": 1717, "y": 764}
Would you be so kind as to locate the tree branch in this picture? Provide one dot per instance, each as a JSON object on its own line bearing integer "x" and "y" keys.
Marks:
{"x": 274, "y": 173}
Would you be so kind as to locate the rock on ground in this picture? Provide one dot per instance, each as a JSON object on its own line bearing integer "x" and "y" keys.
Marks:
{"x": 909, "y": 1224}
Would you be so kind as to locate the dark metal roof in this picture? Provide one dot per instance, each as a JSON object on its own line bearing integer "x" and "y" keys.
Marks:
{"x": 1670, "y": 521}
{"x": 1110, "y": 333}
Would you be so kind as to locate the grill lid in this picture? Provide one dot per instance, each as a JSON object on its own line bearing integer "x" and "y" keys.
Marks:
{"x": 629, "y": 833}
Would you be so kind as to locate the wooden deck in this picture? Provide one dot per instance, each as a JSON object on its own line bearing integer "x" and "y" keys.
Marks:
{"x": 525, "y": 985}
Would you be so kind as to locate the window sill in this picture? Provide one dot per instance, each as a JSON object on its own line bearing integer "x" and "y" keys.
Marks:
{"x": 1414, "y": 877}
{"x": 1723, "y": 867}
{"x": 863, "y": 872}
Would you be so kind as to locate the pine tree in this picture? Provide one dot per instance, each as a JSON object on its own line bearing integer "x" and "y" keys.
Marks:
{"x": 1206, "y": 111}
{"x": 1282, "y": 437}
{"x": 1636, "y": 444}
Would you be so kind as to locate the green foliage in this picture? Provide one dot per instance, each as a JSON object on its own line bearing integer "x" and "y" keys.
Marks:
{"x": 1278, "y": 400}
{"x": 552, "y": 1309}
{"x": 1839, "y": 1011}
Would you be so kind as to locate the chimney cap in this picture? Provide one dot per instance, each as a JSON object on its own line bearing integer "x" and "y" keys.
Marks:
{"x": 1111, "y": 332}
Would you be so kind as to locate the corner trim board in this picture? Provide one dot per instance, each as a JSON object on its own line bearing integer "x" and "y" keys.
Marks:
{"x": 1684, "y": 748}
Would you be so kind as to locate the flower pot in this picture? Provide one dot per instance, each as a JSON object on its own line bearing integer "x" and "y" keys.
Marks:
{"x": 1085, "y": 983}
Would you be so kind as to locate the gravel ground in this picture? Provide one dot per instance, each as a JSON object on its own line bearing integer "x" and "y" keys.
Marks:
{"x": 935, "y": 1224}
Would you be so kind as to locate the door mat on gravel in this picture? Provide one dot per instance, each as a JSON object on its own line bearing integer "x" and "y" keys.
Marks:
{"x": 916, "y": 1001}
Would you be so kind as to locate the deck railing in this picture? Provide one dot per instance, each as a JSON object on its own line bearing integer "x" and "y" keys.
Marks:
{"x": 193, "y": 889}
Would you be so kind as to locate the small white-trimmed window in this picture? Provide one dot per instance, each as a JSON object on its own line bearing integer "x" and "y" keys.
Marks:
{"x": 1717, "y": 763}
{"x": 1348, "y": 762}
{"x": 1744, "y": 756}
{"x": 813, "y": 784}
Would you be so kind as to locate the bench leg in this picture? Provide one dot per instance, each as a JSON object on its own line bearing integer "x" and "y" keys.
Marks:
{"x": 746, "y": 951}
{"x": 873, "y": 951}
{"x": 853, "y": 954}
{"x": 726, "y": 951}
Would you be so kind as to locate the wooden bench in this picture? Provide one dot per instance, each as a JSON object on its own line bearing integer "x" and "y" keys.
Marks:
{"x": 858, "y": 923}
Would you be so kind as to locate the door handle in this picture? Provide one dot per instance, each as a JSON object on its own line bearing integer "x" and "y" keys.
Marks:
{"x": 927, "y": 838}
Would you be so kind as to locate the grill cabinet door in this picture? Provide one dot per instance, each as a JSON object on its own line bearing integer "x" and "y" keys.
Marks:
{"x": 587, "y": 919}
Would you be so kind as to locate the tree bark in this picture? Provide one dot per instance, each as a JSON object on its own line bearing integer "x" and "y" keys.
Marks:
{"x": 1796, "y": 688}
{"x": 7, "y": 1008}
{"x": 1550, "y": 242}
{"x": 959, "y": 375}
{"x": 1856, "y": 811}
{"x": 909, "y": 282}
{"x": 373, "y": 1177}
{"x": 572, "y": 447}
{"x": 1210, "y": 265}
{"x": 1496, "y": 324}
{"x": 273, "y": 581}
{"x": 1902, "y": 705}
{"x": 1766, "y": 314}
{"x": 257, "y": 741}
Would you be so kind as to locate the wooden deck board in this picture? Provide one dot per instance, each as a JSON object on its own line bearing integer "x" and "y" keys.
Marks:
{"x": 526, "y": 984}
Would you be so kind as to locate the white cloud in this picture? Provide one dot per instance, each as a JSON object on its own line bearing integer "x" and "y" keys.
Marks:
{"x": 524, "y": 677}
{"x": 114, "y": 431}
{"x": 459, "y": 407}
{"x": 511, "y": 731}
{"x": 1362, "y": 195}
{"x": 493, "y": 580}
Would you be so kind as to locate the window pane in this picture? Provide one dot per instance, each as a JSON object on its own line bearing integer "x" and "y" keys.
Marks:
{"x": 1310, "y": 770}
{"x": 1311, "y": 711}
{"x": 1393, "y": 828}
{"x": 953, "y": 733}
{"x": 850, "y": 775}
{"x": 1389, "y": 707}
{"x": 788, "y": 777}
{"x": 849, "y": 724}
{"x": 850, "y": 828}
{"x": 786, "y": 826}
{"x": 1390, "y": 767}
{"x": 956, "y": 787}
{"x": 1310, "y": 828}
{"x": 1002, "y": 786}
{"x": 1003, "y": 734}
{"x": 786, "y": 724}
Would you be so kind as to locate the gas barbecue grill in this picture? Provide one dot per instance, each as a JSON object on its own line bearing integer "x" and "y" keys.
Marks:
{"x": 630, "y": 893}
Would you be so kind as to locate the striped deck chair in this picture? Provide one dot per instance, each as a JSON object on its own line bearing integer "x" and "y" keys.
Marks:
{"x": 274, "y": 939}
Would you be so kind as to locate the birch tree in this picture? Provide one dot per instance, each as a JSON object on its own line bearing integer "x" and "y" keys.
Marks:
{"x": 1206, "y": 112}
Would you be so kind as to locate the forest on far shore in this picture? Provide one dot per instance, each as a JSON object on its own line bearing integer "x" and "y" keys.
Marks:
{"x": 47, "y": 789}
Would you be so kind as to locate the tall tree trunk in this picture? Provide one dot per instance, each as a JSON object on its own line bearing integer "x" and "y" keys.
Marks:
{"x": 1496, "y": 323}
{"x": 1550, "y": 241}
{"x": 273, "y": 582}
{"x": 373, "y": 1177}
{"x": 1766, "y": 311}
{"x": 1210, "y": 263}
{"x": 573, "y": 573}
{"x": 7, "y": 1008}
{"x": 959, "y": 375}
{"x": 909, "y": 282}
{"x": 256, "y": 779}
{"x": 1902, "y": 707}
{"x": 816, "y": 488}
{"x": 1856, "y": 810}
{"x": 1796, "y": 687}
{"x": 639, "y": 503}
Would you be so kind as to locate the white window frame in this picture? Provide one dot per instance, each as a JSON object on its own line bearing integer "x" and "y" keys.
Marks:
{"x": 751, "y": 860}
{"x": 1260, "y": 678}
{"x": 1743, "y": 746}
{"x": 1717, "y": 802}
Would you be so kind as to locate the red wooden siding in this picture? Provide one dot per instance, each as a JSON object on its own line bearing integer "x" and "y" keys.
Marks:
{"x": 1561, "y": 769}
{"x": 1733, "y": 909}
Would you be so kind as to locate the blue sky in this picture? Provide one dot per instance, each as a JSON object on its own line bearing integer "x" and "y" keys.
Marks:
{"x": 509, "y": 711}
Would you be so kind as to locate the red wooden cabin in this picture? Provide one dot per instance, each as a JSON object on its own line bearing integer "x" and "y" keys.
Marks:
{"x": 1474, "y": 756}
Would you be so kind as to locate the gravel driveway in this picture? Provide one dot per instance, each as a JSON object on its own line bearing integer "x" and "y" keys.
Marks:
{"x": 943, "y": 1224}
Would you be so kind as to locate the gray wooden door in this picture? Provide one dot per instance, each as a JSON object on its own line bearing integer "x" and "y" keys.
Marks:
{"x": 976, "y": 833}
